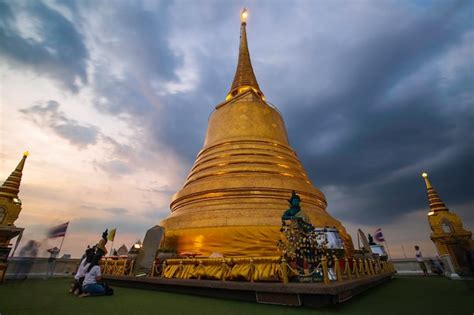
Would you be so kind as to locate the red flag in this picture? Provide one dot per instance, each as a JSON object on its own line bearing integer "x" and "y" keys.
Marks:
{"x": 378, "y": 235}
{"x": 58, "y": 231}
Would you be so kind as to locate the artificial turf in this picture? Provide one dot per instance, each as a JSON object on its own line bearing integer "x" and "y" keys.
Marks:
{"x": 414, "y": 295}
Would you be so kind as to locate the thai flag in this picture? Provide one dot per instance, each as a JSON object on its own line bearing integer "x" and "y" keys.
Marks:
{"x": 378, "y": 235}
{"x": 58, "y": 231}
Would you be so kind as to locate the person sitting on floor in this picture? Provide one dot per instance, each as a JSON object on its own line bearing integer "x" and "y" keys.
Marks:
{"x": 91, "y": 285}
{"x": 81, "y": 271}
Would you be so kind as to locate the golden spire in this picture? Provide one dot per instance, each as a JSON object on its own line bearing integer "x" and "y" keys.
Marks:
{"x": 436, "y": 204}
{"x": 244, "y": 78}
{"x": 427, "y": 181}
{"x": 11, "y": 187}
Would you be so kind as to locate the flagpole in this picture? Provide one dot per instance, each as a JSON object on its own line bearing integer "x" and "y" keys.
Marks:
{"x": 61, "y": 246}
{"x": 358, "y": 240}
{"x": 404, "y": 254}
{"x": 18, "y": 239}
{"x": 112, "y": 233}
{"x": 388, "y": 251}
{"x": 53, "y": 263}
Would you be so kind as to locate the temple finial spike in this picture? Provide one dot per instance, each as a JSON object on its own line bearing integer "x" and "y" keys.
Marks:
{"x": 427, "y": 181}
{"x": 244, "y": 78}
{"x": 435, "y": 202}
{"x": 243, "y": 16}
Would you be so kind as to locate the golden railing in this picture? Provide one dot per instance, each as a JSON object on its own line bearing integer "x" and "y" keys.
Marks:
{"x": 268, "y": 269}
{"x": 116, "y": 266}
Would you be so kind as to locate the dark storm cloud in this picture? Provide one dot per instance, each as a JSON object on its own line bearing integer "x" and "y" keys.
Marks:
{"x": 371, "y": 136}
{"x": 141, "y": 39}
{"x": 371, "y": 92}
{"x": 48, "y": 115}
{"x": 138, "y": 38}
{"x": 368, "y": 135}
{"x": 53, "y": 47}
{"x": 353, "y": 136}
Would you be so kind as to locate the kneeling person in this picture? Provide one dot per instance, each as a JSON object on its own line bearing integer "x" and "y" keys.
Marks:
{"x": 81, "y": 271}
{"x": 91, "y": 284}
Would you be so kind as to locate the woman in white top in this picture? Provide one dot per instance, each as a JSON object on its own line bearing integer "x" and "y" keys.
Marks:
{"x": 91, "y": 285}
{"x": 81, "y": 270}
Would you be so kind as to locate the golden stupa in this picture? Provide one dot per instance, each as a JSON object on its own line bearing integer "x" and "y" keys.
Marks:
{"x": 238, "y": 187}
{"x": 10, "y": 203}
{"x": 10, "y": 208}
{"x": 448, "y": 233}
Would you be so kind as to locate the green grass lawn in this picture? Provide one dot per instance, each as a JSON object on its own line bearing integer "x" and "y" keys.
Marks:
{"x": 400, "y": 296}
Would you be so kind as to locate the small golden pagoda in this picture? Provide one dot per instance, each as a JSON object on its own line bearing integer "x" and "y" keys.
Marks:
{"x": 237, "y": 190}
{"x": 10, "y": 207}
{"x": 448, "y": 234}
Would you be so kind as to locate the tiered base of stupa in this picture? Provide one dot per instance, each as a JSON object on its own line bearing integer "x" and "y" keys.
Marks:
{"x": 293, "y": 294}
{"x": 241, "y": 231}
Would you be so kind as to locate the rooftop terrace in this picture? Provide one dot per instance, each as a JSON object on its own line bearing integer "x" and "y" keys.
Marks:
{"x": 413, "y": 295}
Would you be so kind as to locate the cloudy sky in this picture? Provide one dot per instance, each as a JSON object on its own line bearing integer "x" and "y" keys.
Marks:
{"x": 112, "y": 98}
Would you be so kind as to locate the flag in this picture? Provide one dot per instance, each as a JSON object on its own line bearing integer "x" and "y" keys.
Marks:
{"x": 111, "y": 235}
{"x": 378, "y": 235}
{"x": 58, "y": 231}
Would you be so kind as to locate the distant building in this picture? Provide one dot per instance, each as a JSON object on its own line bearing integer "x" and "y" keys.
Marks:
{"x": 122, "y": 250}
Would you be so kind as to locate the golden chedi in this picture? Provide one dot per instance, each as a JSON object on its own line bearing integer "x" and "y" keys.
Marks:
{"x": 10, "y": 208}
{"x": 238, "y": 187}
{"x": 10, "y": 203}
{"x": 448, "y": 233}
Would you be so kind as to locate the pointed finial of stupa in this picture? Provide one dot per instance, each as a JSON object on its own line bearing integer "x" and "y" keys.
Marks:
{"x": 243, "y": 16}
{"x": 435, "y": 202}
{"x": 244, "y": 78}
{"x": 11, "y": 187}
{"x": 427, "y": 181}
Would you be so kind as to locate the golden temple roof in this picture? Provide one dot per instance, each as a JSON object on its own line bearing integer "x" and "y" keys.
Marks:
{"x": 11, "y": 187}
{"x": 244, "y": 78}
{"x": 435, "y": 202}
